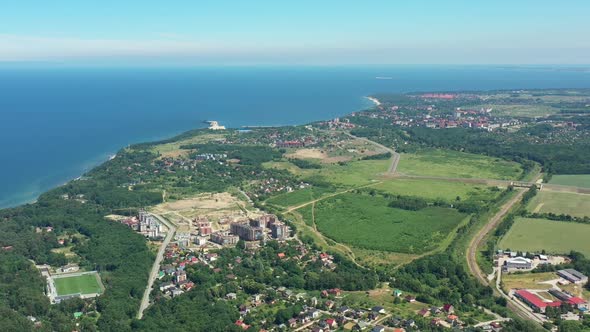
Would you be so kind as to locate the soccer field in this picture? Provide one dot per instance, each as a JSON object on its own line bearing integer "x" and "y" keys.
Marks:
{"x": 83, "y": 284}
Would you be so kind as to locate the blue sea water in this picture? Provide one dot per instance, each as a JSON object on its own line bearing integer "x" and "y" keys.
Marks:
{"x": 57, "y": 123}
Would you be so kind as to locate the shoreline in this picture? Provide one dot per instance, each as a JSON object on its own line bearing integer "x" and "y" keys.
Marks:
{"x": 374, "y": 100}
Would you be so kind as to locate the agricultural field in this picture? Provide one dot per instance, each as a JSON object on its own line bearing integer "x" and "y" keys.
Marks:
{"x": 577, "y": 205}
{"x": 435, "y": 189}
{"x": 579, "y": 180}
{"x": 557, "y": 237}
{"x": 368, "y": 222}
{"x": 87, "y": 283}
{"x": 454, "y": 164}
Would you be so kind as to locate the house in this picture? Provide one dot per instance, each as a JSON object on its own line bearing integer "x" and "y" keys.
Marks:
{"x": 177, "y": 292}
{"x": 410, "y": 298}
{"x": 424, "y": 312}
{"x": 281, "y": 255}
{"x": 231, "y": 296}
{"x": 452, "y": 318}
{"x": 166, "y": 286}
{"x": 331, "y": 323}
{"x": 361, "y": 326}
{"x": 378, "y": 328}
{"x": 397, "y": 293}
{"x": 448, "y": 308}
{"x": 496, "y": 326}
{"x": 314, "y": 314}
{"x": 378, "y": 309}
{"x": 435, "y": 310}
{"x": 292, "y": 322}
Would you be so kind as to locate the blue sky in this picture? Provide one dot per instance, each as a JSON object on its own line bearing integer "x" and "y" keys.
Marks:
{"x": 296, "y": 32}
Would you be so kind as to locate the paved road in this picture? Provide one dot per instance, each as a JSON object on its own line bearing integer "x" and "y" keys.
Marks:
{"x": 145, "y": 301}
{"x": 395, "y": 156}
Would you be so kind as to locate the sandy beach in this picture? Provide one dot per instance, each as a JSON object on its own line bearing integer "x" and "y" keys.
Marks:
{"x": 374, "y": 100}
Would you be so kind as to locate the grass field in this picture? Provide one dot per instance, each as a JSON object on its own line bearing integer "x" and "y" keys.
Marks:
{"x": 354, "y": 173}
{"x": 367, "y": 222}
{"x": 434, "y": 189}
{"x": 580, "y": 180}
{"x": 556, "y": 237}
{"x": 446, "y": 163}
{"x": 83, "y": 284}
{"x": 577, "y": 205}
{"x": 298, "y": 197}
{"x": 527, "y": 280}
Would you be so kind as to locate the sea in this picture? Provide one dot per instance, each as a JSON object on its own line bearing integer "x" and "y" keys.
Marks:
{"x": 58, "y": 122}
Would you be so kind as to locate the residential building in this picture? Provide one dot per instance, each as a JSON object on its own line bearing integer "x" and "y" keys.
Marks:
{"x": 247, "y": 232}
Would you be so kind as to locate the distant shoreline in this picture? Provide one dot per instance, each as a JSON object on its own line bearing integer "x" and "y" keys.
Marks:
{"x": 374, "y": 100}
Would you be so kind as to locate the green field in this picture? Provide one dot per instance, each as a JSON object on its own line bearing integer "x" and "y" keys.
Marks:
{"x": 454, "y": 164}
{"x": 577, "y": 205}
{"x": 367, "y": 222}
{"x": 354, "y": 173}
{"x": 580, "y": 180}
{"x": 434, "y": 189}
{"x": 556, "y": 237}
{"x": 298, "y": 197}
{"x": 83, "y": 284}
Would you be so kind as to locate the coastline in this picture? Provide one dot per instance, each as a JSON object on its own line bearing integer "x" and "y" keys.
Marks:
{"x": 374, "y": 100}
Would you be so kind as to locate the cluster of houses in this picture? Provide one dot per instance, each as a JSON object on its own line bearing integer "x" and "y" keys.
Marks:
{"x": 146, "y": 224}
{"x": 442, "y": 316}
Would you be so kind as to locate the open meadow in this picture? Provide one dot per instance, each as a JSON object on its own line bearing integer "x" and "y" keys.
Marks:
{"x": 556, "y": 237}
{"x": 577, "y": 205}
{"x": 577, "y": 180}
{"x": 454, "y": 164}
{"x": 368, "y": 222}
{"x": 435, "y": 189}
{"x": 87, "y": 283}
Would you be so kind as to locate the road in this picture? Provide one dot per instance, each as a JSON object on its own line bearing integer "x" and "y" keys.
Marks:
{"x": 476, "y": 243}
{"x": 145, "y": 300}
{"x": 394, "y": 155}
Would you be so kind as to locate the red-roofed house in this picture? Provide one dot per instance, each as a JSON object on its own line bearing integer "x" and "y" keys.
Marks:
{"x": 534, "y": 301}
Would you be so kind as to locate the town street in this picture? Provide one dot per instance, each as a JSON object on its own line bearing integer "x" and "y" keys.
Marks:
{"x": 145, "y": 300}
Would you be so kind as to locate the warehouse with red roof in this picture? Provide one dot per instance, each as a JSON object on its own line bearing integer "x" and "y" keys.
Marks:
{"x": 534, "y": 301}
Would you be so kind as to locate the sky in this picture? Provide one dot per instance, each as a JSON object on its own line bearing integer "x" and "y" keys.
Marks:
{"x": 317, "y": 32}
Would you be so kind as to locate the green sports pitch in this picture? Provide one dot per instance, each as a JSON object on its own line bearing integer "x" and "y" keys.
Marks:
{"x": 81, "y": 284}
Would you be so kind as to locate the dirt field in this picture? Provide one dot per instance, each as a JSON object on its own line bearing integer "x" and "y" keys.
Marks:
{"x": 322, "y": 155}
{"x": 207, "y": 201}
